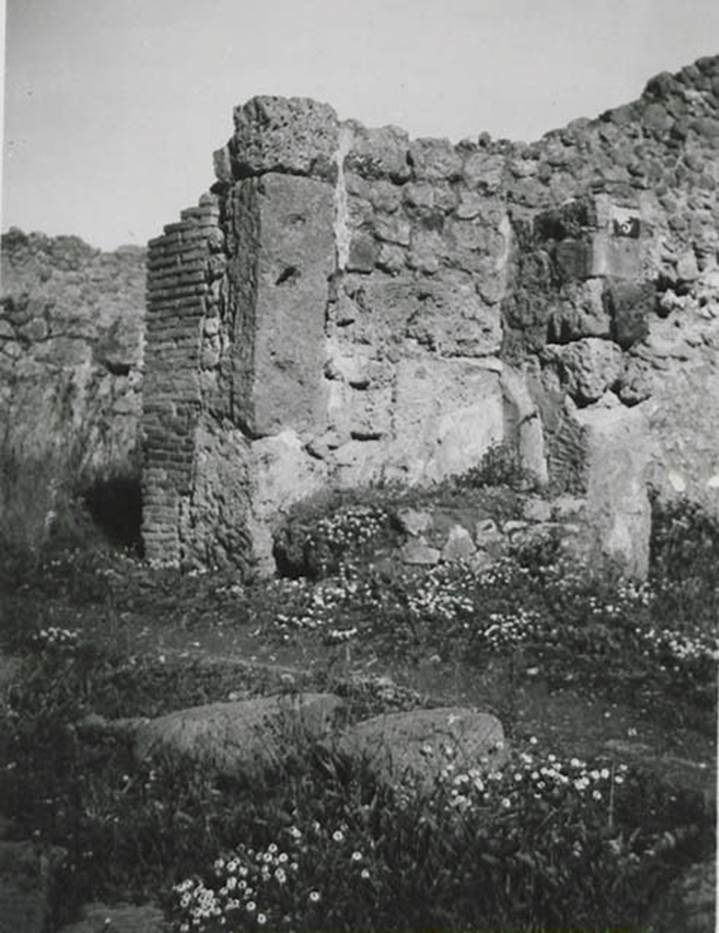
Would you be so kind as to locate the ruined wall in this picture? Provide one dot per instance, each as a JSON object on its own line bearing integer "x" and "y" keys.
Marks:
{"x": 71, "y": 333}
{"x": 367, "y": 306}
{"x": 616, "y": 290}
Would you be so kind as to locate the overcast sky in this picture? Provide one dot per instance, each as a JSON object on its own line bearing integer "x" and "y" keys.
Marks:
{"x": 113, "y": 107}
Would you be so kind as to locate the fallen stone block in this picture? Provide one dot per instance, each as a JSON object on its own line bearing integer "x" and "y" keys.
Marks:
{"x": 416, "y": 746}
{"x": 245, "y": 737}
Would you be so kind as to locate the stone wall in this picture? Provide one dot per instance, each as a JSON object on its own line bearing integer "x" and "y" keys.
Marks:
{"x": 71, "y": 334}
{"x": 350, "y": 305}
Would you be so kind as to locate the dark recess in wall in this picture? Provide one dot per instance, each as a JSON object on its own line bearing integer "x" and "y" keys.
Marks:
{"x": 115, "y": 505}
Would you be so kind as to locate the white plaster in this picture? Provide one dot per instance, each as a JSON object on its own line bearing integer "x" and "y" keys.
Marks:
{"x": 342, "y": 233}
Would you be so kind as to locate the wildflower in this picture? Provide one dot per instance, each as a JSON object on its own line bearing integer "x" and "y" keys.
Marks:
{"x": 506, "y": 803}
{"x": 250, "y": 906}
{"x": 338, "y": 836}
{"x": 618, "y": 779}
{"x": 364, "y": 873}
{"x": 356, "y": 856}
{"x": 282, "y": 858}
{"x": 314, "y": 896}
{"x": 280, "y": 876}
{"x": 261, "y": 919}
{"x": 597, "y": 794}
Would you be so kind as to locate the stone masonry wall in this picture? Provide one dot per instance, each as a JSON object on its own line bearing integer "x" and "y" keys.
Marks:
{"x": 350, "y": 305}
{"x": 71, "y": 343}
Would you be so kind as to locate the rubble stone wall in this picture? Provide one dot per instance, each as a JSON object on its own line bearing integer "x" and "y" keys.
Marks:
{"x": 369, "y": 307}
{"x": 71, "y": 339}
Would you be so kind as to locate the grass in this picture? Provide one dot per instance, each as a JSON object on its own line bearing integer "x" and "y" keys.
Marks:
{"x": 557, "y": 839}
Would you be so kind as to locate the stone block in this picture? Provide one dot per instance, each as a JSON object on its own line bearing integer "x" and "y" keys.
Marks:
{"x": 629, "y": 304}
{"x": 450, "y": 318}
{"x": 278, "y": 346}
{"x": 279, "y": 134}
{"x": 448, "y": 413}
{"x": 618, "y": 257}
{"x": 242, "y": 737}
{"x": 280, "y": 472}
{"x": 537, "y": 510}
{"x": 414, "y": 747}
{"x": 363, "y": 253}
{"x": 618, "y": 449}
{"x": 573, "y": 259}
{"x": 378, "y": 153}
{"x": 434, "y": 159}
{"x": 418, "y": 553}
{"x": 587, "y": 367}
{"x": 459, "y": 545}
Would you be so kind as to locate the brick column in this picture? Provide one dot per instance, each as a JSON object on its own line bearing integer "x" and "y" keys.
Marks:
{"x": 178, "y": 299}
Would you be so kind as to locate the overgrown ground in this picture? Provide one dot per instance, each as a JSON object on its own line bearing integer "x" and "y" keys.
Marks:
{"x": 606, "y": 690}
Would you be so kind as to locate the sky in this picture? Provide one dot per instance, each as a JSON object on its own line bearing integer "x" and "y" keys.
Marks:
{"x": 112, "y": 108}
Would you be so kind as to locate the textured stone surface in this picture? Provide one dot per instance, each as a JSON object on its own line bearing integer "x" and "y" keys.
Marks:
{"x": 447, "y": 416}
{"x": 242, "y": 737}
{"x": 401, "y": 305}
{"x": 459, "y": 546}
{"x": 417, "y": 552}
{"x": 417, "y": 745}
{"x": 278, "y": 134}
{"x": 71, "y": 321}
{"x": 281, "y": 474}
{"x": 294, "y": 259}
{"x": 414, "y": 522}
{"x": 587, "y": 367}
{"x": 618, "y": 449}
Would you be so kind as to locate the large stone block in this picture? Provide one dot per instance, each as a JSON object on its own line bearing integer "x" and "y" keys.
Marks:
{"x": 414, "y": 748}
{"x": 281, "y": 472}
{"x": 246, "y": 737}
{"x": 448, "y": 413}
{"x": 618, "y": 449}
{"x": 281, "y": 281}
{"x": 280, "y": 134}
{"x": 586, "y": 367}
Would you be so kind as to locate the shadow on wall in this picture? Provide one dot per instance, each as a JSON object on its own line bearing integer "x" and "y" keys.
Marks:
{"x": 115, "y": 506}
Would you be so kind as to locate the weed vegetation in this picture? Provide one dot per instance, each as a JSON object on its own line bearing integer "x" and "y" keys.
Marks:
{"x": 555, "y": 839}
